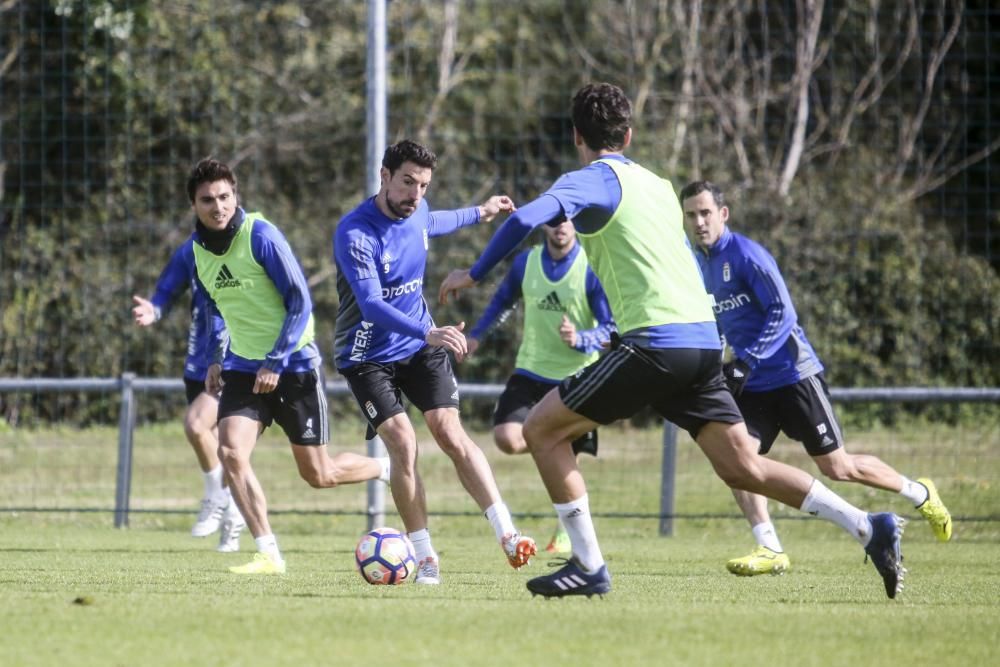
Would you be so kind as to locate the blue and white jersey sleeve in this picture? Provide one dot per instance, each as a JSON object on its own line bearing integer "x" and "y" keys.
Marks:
{"x": 594, "y": 340}
{"x": 441, "y": 223}
{"x": 504, "y": 299}
{"x": 383, "y": 316}
{"x": 756, "y": 315}
{"x": 271, "y": 250}
{"x": 178, "y": 275}
{"x": 175, "y": 278}
{"x": 588, "y": 196}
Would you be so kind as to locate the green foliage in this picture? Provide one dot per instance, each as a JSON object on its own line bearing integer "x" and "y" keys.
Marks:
{"x": 107, "y": 104}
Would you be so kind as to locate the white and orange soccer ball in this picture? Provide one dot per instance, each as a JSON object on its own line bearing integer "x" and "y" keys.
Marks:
{"x": 385, "y": 556}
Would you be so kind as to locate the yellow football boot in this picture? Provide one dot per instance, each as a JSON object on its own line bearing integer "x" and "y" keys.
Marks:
{"x": 935, "y": 512}
{"x": 261, "y": 564}
{"x": 760, "y": 561}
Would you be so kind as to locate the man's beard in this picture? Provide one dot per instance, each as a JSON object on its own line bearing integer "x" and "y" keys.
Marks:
{"x": 389, "y": 204}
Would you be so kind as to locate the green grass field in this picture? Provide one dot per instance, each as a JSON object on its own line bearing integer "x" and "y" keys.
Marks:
{"x": 75, "y": 591}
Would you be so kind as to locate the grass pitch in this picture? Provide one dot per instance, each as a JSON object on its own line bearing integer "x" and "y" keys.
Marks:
{"x": 76, "y": 592}
{"x": 80, "y": 593}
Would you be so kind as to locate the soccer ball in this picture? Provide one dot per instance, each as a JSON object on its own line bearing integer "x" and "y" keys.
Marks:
{"x": 385, "y": 556}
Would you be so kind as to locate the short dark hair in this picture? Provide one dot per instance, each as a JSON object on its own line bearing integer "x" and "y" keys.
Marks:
{"x": 408, "y": 151}
{"x": 209, "y": 170}
{"x": 602, "y": 114}
{"x": 695, "y": 188}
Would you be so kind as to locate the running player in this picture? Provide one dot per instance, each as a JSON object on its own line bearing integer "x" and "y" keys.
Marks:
{"x": 567, "y": 321}
{"x": 668, "y": 356}
{"x": 777, "y": 378}
{"x": 387, "y": 345}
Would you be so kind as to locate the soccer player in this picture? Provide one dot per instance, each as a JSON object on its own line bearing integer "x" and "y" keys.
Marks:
{"x": 567, "y": 321}
{"x": 776, "y": 377}
{"x": 387, "y": 345}
{"x": 271, "y": 370}
{"x": 218, "y": 511}
{"x": 668, "y": 355}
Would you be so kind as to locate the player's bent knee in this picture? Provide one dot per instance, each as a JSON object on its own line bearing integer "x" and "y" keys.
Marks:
{"x": 837, "y": 471}
{"x": 741, "y": 474}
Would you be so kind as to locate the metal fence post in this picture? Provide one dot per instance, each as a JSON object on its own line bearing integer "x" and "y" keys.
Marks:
{"x": 376, "y": 489}
{"x": 668, "y": 479}
{"x": 126, "y": 427}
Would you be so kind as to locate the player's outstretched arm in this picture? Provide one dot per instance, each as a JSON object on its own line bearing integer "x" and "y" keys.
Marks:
{"x": 495, "y": 205}
{"x": 144, "y": 313}
{"x": 455, "y": 282}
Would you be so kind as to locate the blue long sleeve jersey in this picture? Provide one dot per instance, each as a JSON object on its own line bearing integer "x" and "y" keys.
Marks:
{"x": 509, "y": 292}
{"x": 755, "y": 312}
{"x": 271, "y": 250}
{"x": 589, "y": 197}
{"x": 380, "y": 262}
{"x": 177, "y": 276}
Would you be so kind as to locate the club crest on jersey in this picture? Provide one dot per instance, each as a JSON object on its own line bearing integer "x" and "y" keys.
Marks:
{"x": 726, "y": 273}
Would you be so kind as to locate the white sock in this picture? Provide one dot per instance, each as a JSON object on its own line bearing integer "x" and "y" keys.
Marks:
{"x": 213, "y": 482}
{"x": 499, "y": 517}
{"x": 422, "y": 547}
{"x": 766, "y": 536}
{"x": 824, "y": 503}
{"x": 915, "y": 492}
{"x": 268, "y": 544}
{"x": 575, "y": 516}
{"x": 384, "y": 462}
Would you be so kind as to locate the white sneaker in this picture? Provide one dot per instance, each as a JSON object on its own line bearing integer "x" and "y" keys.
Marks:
{"x": 428, "y": 572}
{"x": 384, "y": 475}
{"x": 210, "y": 516}
{"x": 232, "y": 527}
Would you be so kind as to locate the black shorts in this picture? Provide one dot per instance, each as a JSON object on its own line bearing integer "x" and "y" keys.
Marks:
{"x": 298, "y": 404}
{"x": 520, "y": 395}
{"x": 802, "y": 410}
{"x": 425, "y": 378}
{"x": 683, "y": 385}
{"x": 194, "y": 388}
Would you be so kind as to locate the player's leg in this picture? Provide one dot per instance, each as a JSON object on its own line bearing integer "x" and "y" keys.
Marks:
{"x": 303, "y": 415}
{"x": 768, "y": 557}
{"x": 242, "y": 417}
{"x": 376, "y": 390}
{"x": 408, "y": 493}
{"x": 614, "y": 387}
{"x": 730, "y": 450}
{"x": 810, "y": 419}
{"x": 429, "y": 382}
{"x": 762, "y": 422}
{"x": 509, "y": 438}
{"x": 200, "y": 429}
{"x": 518, "y": 397}
{"x": 476, "y": 476}
{"x": 550, "y": 429}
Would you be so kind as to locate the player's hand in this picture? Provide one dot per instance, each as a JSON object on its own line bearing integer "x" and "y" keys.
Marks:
{"x": 213, "y": 380}
{"x": 737, "y": 372}
{"x": 567, "y": 331}
{"x": 450, "y": 338}
{"x": 457, "y": 280}
{"x": 472, "y": 344}
{"x": 494, "y": 205}
{"x": 143, "y": 311}
{"x": 266, "y": 382}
